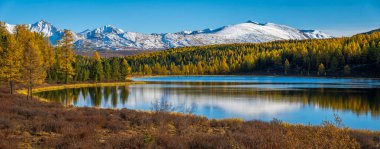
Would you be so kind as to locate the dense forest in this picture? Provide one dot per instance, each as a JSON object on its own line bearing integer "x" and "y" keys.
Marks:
{"x": 338, "y": 56}
{"x": 28, "y": 58}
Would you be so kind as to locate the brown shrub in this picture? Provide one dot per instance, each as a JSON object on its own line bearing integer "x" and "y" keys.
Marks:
{"x": 50, "y": 125}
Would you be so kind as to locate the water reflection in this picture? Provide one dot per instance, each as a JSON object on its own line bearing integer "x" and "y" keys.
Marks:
{"x": 358, "y": 107}
{"x": 231, "y": 99}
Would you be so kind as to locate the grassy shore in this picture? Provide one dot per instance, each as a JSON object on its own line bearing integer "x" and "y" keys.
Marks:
{"x": 34, "y": 124}
{"x": 48, "y": 87}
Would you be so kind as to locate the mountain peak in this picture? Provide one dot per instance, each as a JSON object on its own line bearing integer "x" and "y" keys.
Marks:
{"x": 315, "y": 34}
{"x": 110, "y": 37}
{"x": 109, "y": 29}
{"x": 44, "y": 27}
{"x": 42, "y": 23}
{"x": 85, "y": 31}
{"x": 250, "y": 21}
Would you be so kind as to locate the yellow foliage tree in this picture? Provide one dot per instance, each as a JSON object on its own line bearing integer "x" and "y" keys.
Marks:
{"x": 10, "y": 58}
{"x": 34, "y": 71}
{"x": 65, "y": 55}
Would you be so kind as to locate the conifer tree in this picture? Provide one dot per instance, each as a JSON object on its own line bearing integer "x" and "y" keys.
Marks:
{"x": 286, "y": 66}
{"x": 125, "y": 69}
{"x": 107, "y": 70}
{"x": 33, "y": 62}
{"x": 157, "y": 69}
{"x": 347, "y": 69}
{"x": 147, "y": 70}
{"x": 333, "y": 64}
{"x": 115, "y": 69}
{"x": 10, "y": 58}
{"x": 321, "y": 69}
{"x": 200, "y": 68}
{"x": 224, "y": 66}
{"x": 65, "y": 56}
{"x": 97, "y": 67}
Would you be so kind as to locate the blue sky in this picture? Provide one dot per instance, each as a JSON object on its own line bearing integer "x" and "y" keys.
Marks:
{"x": 336, "y": 17}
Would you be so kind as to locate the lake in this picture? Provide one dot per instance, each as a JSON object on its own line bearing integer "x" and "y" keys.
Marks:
{"x": 297, "y": 100}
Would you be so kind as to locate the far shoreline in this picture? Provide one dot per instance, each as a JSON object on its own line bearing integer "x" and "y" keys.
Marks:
{"x": 50, "y": 87}
{"x": 262, "y": 75}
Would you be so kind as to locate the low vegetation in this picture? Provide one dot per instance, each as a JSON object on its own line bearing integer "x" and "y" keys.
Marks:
{"x": 32, "y": 123}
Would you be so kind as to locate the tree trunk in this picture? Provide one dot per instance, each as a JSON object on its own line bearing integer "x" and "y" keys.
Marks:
{"x": 67, "y": 80}
{"x": 30, "y": 83}
{"x": 11, "y": 87}
{"x": 31, "y": 91}
{"x": 27, "y": 96}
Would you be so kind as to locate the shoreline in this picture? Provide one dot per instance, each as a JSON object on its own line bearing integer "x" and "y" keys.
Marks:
{"x": 53, "y": 87}
{"x": 261, "y": 75}
{"x": 48, "y": 125}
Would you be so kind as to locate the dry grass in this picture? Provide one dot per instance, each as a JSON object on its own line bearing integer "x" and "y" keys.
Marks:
{"x": 48, "y": 87}
{"x": 31, "y": 123}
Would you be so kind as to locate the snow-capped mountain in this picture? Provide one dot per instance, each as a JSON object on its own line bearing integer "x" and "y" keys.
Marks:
{"x": 50, "y": 31}
{"x": 110, "y": 37}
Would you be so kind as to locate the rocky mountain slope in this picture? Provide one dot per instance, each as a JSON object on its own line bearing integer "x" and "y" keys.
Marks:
{"x": 112, "y": 38}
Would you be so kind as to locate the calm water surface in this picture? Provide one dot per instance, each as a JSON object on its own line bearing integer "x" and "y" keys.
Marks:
{"x": 291, "y": 99}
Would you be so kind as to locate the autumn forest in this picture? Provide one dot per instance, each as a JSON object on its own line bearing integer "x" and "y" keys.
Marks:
{"x": 28, "y": 58}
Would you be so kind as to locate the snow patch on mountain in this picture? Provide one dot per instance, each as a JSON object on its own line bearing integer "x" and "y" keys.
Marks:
{"x": 110, "y": 37}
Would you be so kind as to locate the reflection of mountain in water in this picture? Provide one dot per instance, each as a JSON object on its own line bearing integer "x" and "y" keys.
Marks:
{"x": 243, "y": 100}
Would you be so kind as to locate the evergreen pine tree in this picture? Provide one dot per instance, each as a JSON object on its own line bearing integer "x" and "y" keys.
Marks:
{"x": 115, "y": 69}
{"x": 347, "y": 70}
{"x": 107, "y": 70}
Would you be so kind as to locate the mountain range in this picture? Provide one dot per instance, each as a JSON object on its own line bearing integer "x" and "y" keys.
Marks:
{"x": 111, "y": 38}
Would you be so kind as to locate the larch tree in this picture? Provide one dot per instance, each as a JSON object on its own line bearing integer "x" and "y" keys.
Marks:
{"x": 97, "y": 67}
{"x": 286, "y": 66}
{"x": 34, "y": 71}
{"x": 321, "y": 69}
{"x": 65, "y": 56}
{"x": 224, "y": 68}
{"x": 10, "y": 58}
{"x": 125, "y": 69}
{"x": 147, "y": 70}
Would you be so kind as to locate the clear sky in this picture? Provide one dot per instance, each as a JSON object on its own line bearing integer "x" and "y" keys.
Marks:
{"x": 336, "y": 17}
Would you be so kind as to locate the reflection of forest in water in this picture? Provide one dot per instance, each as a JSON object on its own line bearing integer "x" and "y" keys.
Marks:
{"x": 359, "y": 101}
{"x": 96, "y": 94}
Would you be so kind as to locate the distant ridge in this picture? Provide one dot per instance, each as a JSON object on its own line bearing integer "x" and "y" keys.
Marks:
{"x": 372, "y": 31}
{"x": 112, "y": 38}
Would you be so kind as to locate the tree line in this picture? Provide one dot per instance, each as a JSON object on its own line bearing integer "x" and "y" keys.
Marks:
{"x": 25, "y": 57}
{"x": 28, "y": 58}
{"x": 357, "y": 55}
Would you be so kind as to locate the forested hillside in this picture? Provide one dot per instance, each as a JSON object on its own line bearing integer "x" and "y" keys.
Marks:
{"x": 28, "y": 58}
{"x": 339, "y": 56}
